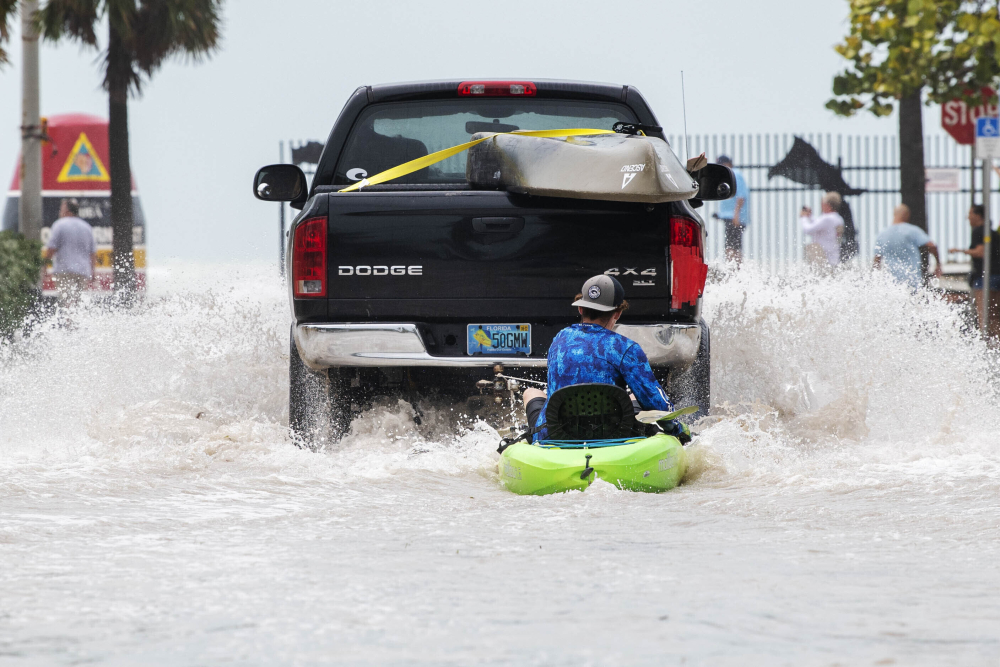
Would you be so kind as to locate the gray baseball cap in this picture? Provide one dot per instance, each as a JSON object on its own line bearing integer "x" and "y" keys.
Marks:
{"x": 602, "y": 293}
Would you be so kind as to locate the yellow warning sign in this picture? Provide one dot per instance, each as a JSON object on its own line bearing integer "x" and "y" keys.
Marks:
{"x": 83, "y": 164}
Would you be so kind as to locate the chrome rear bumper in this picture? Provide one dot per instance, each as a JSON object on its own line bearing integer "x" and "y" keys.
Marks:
{"x": 383, "y": 345}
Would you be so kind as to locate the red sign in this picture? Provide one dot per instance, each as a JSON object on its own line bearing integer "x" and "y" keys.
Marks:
{"x": 76, "y": 157}
{"x": 959, "y": 120}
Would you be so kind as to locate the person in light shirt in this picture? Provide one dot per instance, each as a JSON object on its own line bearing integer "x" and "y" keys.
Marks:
{"x": 897, "y": 250}
{"x": 825, "y": 230}
{"x": 734, "y": 214}
{"x": 73, "y": 251}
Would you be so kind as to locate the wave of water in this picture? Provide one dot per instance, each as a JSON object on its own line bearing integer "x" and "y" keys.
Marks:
{"x": 848, "y": 414}
{"x": 848, "y": 371}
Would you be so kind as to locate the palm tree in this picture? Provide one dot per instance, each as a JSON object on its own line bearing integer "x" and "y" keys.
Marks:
{"x": 7, "y": 9}
{"x": 142, "y": 34}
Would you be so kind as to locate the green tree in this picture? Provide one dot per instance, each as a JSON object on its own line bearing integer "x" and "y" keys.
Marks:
{"x": 20, "y": 265}
{"x": 7, "y": 10}
{"x": 900, "y": 50}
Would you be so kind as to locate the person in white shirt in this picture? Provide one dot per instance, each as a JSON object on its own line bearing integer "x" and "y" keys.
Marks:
{"x": 826, "y": 230}
{"x": 74, "y": 254}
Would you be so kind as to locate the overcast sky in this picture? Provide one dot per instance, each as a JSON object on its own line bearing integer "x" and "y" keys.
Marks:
{"x": 286, "y": 68}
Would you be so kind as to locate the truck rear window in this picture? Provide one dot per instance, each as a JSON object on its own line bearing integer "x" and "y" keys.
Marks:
{"x": 387, "y": 135}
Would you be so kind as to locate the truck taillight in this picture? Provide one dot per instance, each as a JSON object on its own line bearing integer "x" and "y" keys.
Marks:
{"x": 497, "y": 89}
{"x": 309, "y": 258}
{"x": 687, "y": 266}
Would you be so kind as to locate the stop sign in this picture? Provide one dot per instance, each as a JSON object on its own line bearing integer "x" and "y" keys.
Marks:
{"x": 959, "y": 120}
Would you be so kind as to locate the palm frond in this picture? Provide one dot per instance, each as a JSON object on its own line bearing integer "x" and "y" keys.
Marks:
{"x": 75, "y": 19}
{"x": 7, "y": 9}
{"x": 145, "y": 32}
{"x": 165, "y": 28}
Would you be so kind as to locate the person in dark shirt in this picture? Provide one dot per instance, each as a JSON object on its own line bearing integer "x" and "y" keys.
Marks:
{"x": 591, "y": 351}
{"x": 976, "y": 251}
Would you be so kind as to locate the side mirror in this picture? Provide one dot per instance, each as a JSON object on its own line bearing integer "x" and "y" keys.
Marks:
{"x": 280, "y": 182}
{"x": 715, "y": 182}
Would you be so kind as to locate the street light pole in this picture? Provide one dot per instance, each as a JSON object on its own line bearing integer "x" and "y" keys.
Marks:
{"x": 984, "y": 316}
{"x": 281, "y": 217}
{"x": 30, "y": 202}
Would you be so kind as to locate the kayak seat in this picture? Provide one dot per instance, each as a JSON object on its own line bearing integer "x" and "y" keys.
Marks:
{"x": 593, "y": 412}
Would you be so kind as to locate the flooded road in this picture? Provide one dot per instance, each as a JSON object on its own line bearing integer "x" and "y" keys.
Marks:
{"x": 843, "y": 506}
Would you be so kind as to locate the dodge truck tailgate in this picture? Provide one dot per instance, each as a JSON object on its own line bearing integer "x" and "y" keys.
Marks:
{"x": 486, "y": 246}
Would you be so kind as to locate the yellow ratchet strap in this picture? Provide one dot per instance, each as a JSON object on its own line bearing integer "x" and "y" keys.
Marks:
{"x": 434, "y": 158}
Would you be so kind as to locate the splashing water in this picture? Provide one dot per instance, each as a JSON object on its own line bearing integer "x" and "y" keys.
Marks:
{"x": 840, "y": 507}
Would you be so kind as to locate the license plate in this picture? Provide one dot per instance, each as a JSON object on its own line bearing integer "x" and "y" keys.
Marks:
{"x": 505, "y": 339}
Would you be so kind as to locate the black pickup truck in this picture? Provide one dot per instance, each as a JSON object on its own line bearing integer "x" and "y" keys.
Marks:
{"x": 393, "y": 286}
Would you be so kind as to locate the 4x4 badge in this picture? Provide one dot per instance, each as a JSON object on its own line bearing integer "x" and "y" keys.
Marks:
{"x": 630, "y": 271}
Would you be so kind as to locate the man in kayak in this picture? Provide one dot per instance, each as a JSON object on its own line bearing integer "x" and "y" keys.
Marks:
{"x": 592, "y": 352}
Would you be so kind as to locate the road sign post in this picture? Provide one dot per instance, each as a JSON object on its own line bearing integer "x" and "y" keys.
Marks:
{"x": 959, "y": 120}
{"x": 987, "y": 148}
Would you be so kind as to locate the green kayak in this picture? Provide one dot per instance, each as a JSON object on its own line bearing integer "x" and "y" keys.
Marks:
{"x": 649, "y": 464}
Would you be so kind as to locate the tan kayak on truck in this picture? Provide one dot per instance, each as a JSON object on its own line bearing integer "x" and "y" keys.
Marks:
{"x": 610, "y": 167}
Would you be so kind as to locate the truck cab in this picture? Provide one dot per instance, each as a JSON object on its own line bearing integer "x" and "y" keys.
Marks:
{"x": 429, "y": 285}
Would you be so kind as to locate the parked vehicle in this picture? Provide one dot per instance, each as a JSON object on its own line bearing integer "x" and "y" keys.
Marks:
{"x": 427, "y": 284}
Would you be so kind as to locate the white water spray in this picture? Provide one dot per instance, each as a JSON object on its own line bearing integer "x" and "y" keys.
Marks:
{"x": 146, "y": 476}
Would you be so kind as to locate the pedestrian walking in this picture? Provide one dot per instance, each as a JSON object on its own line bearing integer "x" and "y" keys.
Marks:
{"x": 897, "y": 249}
{"x": 72, "y": 251}
{"x": 735, "y": 214}
{"x": 825, "y": 230}
{"x": 976, "y": 251}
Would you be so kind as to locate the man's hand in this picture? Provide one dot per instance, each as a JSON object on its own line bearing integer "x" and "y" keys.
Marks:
{"x": 677, "y": 429}
{"x": 531, "y": 393}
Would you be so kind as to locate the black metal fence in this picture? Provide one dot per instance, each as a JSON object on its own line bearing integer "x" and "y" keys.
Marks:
{"x": 774, "y": 237}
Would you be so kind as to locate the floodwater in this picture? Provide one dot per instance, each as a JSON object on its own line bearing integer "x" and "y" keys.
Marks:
{"x": 843, "y": 506}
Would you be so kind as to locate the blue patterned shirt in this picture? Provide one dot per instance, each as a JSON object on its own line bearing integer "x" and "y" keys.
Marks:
{"x": 584, "y": 353}
{"x": 727, "y": 207}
